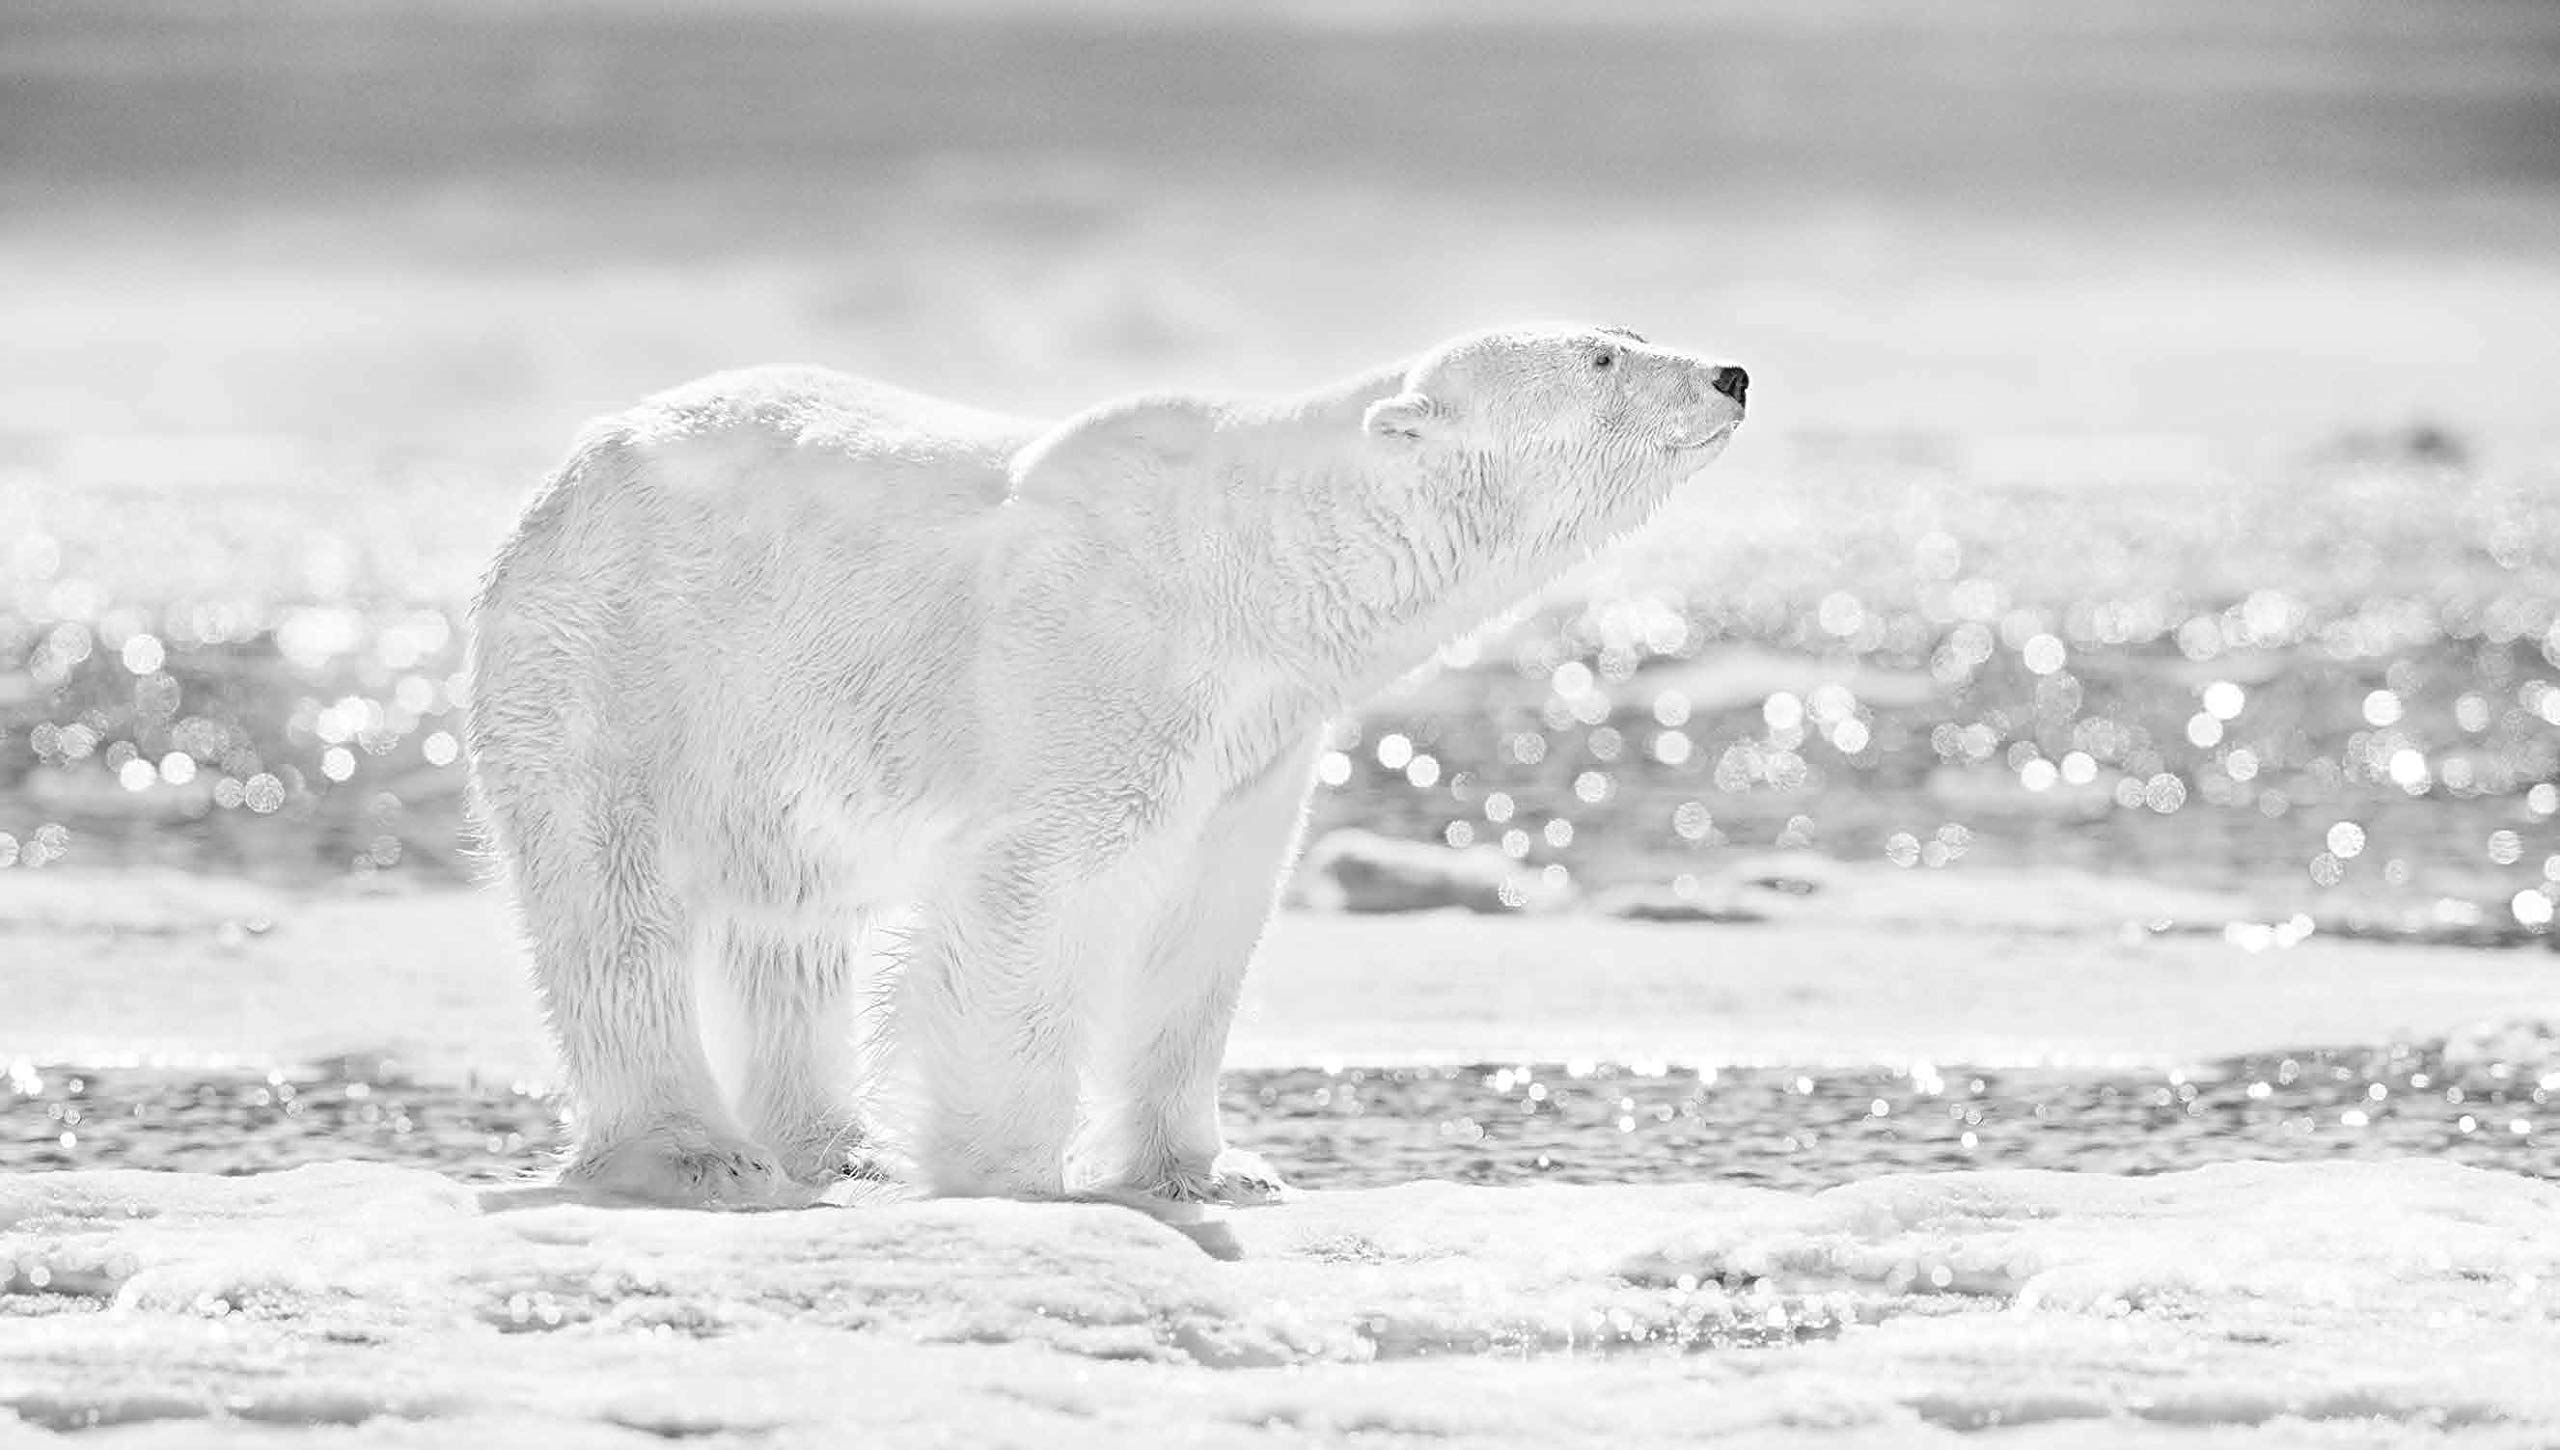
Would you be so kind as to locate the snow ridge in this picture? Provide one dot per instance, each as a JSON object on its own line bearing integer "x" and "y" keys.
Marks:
{"x": 2392, "y": 1303}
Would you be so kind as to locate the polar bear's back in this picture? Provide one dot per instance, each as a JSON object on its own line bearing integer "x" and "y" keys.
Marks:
{"x": 734, "y": 568}
{"x": 819, "y": 437}
{"x": 763, "y": 523}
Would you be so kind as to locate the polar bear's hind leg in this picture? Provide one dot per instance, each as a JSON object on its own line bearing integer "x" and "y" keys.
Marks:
{"x": 569, "y": 802}
{"x": 609, "y": 964}
{"x": 793, "y": 990}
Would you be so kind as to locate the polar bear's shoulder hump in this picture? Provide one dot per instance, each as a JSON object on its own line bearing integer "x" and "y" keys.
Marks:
{"x": 1150, "y": 435}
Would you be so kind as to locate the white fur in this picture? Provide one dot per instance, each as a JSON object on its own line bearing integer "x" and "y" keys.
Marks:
{"x": 783, "y": 652}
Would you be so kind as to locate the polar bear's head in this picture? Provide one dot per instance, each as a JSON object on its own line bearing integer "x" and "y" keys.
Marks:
{"x": 1588, "y": 423}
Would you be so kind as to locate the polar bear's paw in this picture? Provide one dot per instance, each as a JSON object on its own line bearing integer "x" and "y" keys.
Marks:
{"x": 826, "y": 1151}
{"x": 680, "y": 1163}
{"x": 1234, "y": 1176}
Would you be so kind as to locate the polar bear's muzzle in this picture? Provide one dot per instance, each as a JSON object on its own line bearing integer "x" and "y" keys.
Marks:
{"x": 1715, "y": 393}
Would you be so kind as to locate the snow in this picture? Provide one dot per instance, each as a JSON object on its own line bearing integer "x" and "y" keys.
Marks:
{"x": 2375, "y": 1303}
{"x": 1988, "y": 968}
{"x": 2362, "y": 1304}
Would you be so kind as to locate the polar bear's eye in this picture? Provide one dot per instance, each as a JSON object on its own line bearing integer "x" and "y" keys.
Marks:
{"x": 1604, "y": 358}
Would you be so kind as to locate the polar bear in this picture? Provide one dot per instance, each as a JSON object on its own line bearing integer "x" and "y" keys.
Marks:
{"x": 782, "y": 654}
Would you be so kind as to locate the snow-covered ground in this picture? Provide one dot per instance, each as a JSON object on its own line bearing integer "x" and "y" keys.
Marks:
{"x": 2373, "y": 1303}
{"x": 2337, "y": 1304}
{"x": 1992, "y": 969}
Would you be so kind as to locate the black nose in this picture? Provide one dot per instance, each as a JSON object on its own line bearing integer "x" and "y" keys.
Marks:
{"x": 1732, "y": 382}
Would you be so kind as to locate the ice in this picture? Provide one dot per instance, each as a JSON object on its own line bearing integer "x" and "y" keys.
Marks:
{"x": 2387, "y": 1304}
{"x": 1882, "y": 967}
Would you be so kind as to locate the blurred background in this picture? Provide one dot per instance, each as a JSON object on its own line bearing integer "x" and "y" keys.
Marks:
{"x": 2153, "y": 463}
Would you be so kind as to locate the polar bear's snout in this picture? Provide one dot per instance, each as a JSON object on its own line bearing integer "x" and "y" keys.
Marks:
{"x": 1711, "y": 404}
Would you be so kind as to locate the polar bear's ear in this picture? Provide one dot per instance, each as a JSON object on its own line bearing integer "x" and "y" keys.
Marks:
{"x": 1406, "y": 415}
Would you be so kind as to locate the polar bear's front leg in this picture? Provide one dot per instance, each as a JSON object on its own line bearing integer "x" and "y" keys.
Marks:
{"x": 1183, "y": 992}
{"x": 991, "y": 1005}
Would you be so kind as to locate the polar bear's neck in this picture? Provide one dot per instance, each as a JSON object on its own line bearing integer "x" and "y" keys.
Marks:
{"x": 1333, "y": 560}
{"x": 1369, "y": 557}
